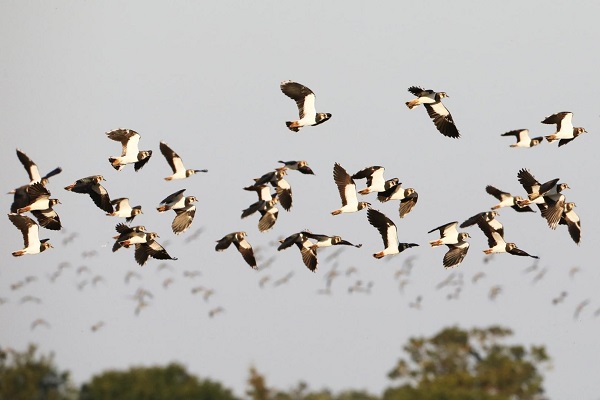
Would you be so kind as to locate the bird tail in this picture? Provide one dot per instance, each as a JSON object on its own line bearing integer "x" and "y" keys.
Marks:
{"x": 292, "y": 125}
{"x": 412, "y": 104}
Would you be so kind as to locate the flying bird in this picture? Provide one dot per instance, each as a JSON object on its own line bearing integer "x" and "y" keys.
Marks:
{"x": 389, "y": 234}
{"x": 375, "y": 180}
{"x": 489, "y": 217}
{"x": 300, "y": 166}
{"x": 347, "y": 190}
{"x": 91, "y": 186}
{"x": 437, "y": 111}
{"x": 33, "y": 171}
{"x": 496, "y": 241}
{"x": 448, "y": 234}
{"x": 394, "y": 191}
{"x": 327, "y": 241}
{"x": 126, "y": 233}
{"x": 282, "y": 187}
{"x": 571, "y": 219}
{"x": 184, "y": 218}
{"x": 175, "y": 201}
{"x": 240, "y": 242}
{"x": 305, "y": 100}
{"x": 151, "y": 248}
{"x": 308, "y": 252}
{"x": 523, "y": 139}
{"x": 130, "y": 153}
{"x": 507, "y": 200}
{"x": 565, "y": 132}
{"x": 30, "y": 231}
{"x": 179, "y": 171}
{"x": 123, "y": 209}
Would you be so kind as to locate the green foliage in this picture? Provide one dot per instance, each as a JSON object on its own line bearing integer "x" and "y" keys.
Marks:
{"x": 461, "y": 365}
{"x": 26, "y": 375}
{"x": 172, "y": 382}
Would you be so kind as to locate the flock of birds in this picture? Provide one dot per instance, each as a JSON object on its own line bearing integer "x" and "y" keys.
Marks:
{"x": 273, "y": 189}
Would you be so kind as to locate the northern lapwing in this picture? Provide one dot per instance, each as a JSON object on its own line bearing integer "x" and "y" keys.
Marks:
{"x": 91, "y": 186}
{"x": 308, "y": 253}
{"x": 240, "y": 242}
{"x": 175, "y": 201}
{"x": 523, "y": 139}
{"x": 347, "y": 190}
{"x": 394, "y": 191}
{"x": 130, "y": 153}
{"x": 30, "y": 231}
{"x": 457, "y": 251}
{"x": 489, "y": 217}
{"x": 305, "y": 100}
{"x": 496, "y": 241}
{"x": 437, "y": 111}
{"x": 389, "y": 233}
{"x": 565, "y": 131}
{"x": 184, "y": 217}
{"x": 375, "y": 180}
{"x": 507, "y": 200}
{"x": 179, "y": 171}
{"x": 327, "y": 241}
{"x": 123, "y": 209}
{"x": 33, "y": 171}
{"x": 300, "y": 166}
{"x": 448, "y": 234}
{"x": 282, "y": 187}
{"x": 571, "y": 219}
{"x": 151, "y": 248}
{"x": 125, "y": 233}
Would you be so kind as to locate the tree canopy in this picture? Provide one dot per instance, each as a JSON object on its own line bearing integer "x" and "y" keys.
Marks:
{"x": 153, "y": 383}
{"x": 459, "y": 364}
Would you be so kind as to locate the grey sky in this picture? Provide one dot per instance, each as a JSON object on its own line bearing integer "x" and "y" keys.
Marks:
{"x": 205, "y": 78}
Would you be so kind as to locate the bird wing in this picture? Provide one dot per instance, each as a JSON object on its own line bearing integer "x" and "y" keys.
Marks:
{"x": 303, "y": 96}
{"x": 100, "y": 197}
{"x": 309, "y": 258}
{"x": 173, "y": 197}
{"x": 563, "y": 121}
{"x": 408, "y": 203}
{"x": 448, "y": 229}
{"x": 345, "y": 184}
{"x": 494, "y": 237}
{"x": 37, "y": 191}
{"x": 528, "y": 181}
{"x": 48, "y": 218}
{"x": 246, "y": 251}
{"x": 455, "y": 255}
{"x": 442, "y": 119}
{"x": 30, "y": 167}
{"x": 497, "y": 193}
{"x": 574, "y": 225}
{"x": 29, "y": 229}
{"x": 183, "y": 220}
{"x": 268, "y": 219}
{"x": 387, "y": 229}
{"x": 172, "y": 158}
{"x": 417, "y": 91}
{"x": 554, "y": 211}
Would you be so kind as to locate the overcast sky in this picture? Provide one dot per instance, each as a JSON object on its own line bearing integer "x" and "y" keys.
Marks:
{"x": 205, "y": 79}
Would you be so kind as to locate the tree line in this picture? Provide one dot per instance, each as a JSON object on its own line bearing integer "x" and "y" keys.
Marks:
{"x": 454, "y": 364}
